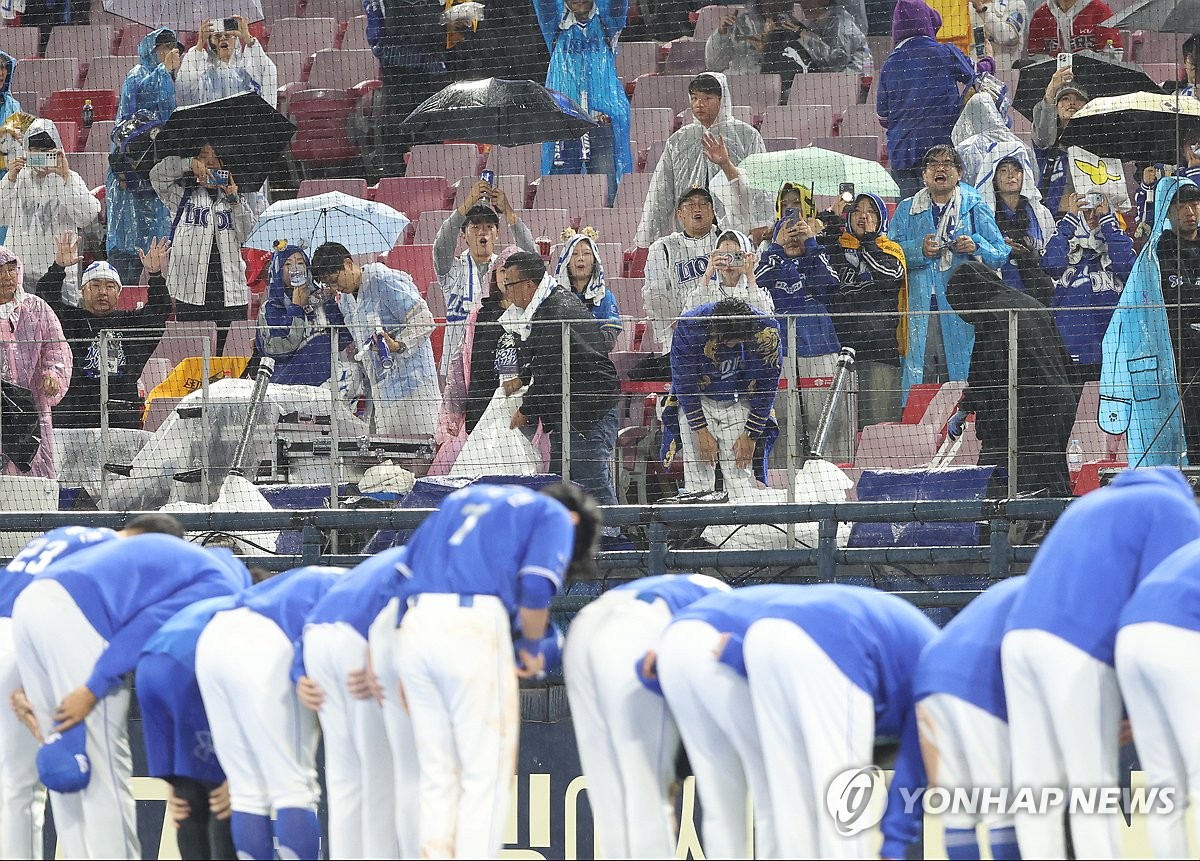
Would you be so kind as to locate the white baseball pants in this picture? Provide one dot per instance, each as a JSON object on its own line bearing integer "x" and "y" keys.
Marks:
{"x": 1156, "y": 666}
{"x": 22, "y": 797}
{"x": 57, "y": 649}
{"x": 711, "y": 704}
{"x": 626, "y": 736}
{"x": 457, "y": 671}
{"x": 383, "y": 638}
{"x": 813, "y": 724}
{"x": 1064, "y": 713}
{"x": 265, "y": 739}
{"x": 726, "y": 422}
{"x": 358, "y": 780}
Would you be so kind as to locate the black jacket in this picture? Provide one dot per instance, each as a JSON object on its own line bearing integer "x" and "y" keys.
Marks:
{"x": 871, "y": 297}
{"x": 593, "y": 377}
{"x": 133, "y": 337}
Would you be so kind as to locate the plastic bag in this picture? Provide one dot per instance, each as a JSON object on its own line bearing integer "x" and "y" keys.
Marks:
{"x": 494, "y": 446}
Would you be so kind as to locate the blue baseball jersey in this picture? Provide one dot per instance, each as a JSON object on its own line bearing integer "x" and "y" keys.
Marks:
{"x": 1170, "y": 594}
{"x": 128, "y": 589}
{"x": 484, "y": 538}
{"x": 676, "y": 590}
{"x": 178, "y": 635}
{"x": 40, "y": 553}
{"x": 874, "y": 638}
{"x": 1103, "y": 546}
{"x": 287, "y": 599}
{"x": 964, "y": 659}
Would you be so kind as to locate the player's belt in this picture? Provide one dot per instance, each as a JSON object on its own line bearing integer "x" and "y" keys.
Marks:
{"x": 463, "y": 600}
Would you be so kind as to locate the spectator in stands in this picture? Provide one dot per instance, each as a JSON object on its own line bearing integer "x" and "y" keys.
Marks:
{"x": 582, "y": 35}
{"x": 1003, "y": 23}
{"x": 918, "y": 96}
{"x": 461, "y": 278}
{"x": 8, "y": 105}
{"x": 294, "y": 323}
{"x": 1063, "y": 98}
{"x": 1026, "y": 225}
{"x": 1089, "y": 257}
{"x": 678, "y": 260}
{"x": 544, "y": 308}
{"x": 735, "y": 47}
{"x": 978, "y": 133}
{"x": 410, "y": 43}
{"x": 1046, "y": 398}
{"x": 866, "y": 306}
{"x": 136, "y": 216}
{"x": 687, "y": 160}
{"x": 1190, "y": 169}
{"x": 581, "y": 271}
{"x": 39, "y": 201}
{"x": 1191, "y": 52}
{"x": 224, "y": 63}
{"x": 796, "y": 273}
{"x": 36, "y": 357}
{"x": 725, "y": 369}
{"x": 730, "y": 275}
{"x": 390, "y": 324}
{"x": 838, "y": 44}
{"x": 132, "y": 335}
{"x": 207, "y": 278}
{"x": 941, "y": 227}
{"x": 1071, "y": 25}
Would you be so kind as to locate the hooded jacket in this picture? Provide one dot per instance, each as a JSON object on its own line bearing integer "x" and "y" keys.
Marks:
{"x": 1046, "y": 398}
{"x": 683, "y": 167}
{"x": 37, "y": 208}
{"x": 203, "y": 77}
{"x": 8, "y": 105}
{"x": 135, "y": 218}
{"x": 297, "y": 336}
{"x": 714, "y": 289}
{"x": 1139, "y": 393}
{"x": 596, "y": 296}
{"x": 202, "y": 216}
{"x": 918, "y": 98}
{"x": 582, "y": 60}
{"x": 927, "y": 277}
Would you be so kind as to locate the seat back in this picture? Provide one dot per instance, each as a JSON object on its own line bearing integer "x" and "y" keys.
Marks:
{"x": 306, "y": 35}
{"x": 45, "y": 77}
{"x": 342, "y": 69}
{"x": 412, "y": 195}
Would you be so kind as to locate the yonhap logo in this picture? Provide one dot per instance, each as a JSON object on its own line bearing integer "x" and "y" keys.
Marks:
{"x": 849, "y": 799}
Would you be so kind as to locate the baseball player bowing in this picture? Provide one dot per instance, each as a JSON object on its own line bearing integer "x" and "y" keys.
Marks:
{"x": 962, "y": 717}
{"x": 1064, "y": 706}
{"x": 361, "y": 781}
{"x": 265, "y": 740}
{"x": 22, "y": 799}
{"x": 79, "y": 628}
{"x": 489, "y": 554}
{"x": 626, "y": 736}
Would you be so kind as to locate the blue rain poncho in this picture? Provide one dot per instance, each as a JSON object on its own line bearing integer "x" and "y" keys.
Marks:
{"x": 137, "y": 216}
{"x": 582, "y": 60}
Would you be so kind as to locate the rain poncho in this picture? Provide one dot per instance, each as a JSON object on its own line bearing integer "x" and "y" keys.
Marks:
{"x": 38, "y": 208}
{"x": 203, "y": 77}
{"x": 599, "y": 300}
{"x": 8, "y": 105}
{"x": 911, "y": 223}
{"x": 683, "y": 166}
{"x": 1139, "y": 395}
{"x": 405, "y": 398}
{"x": 979, "y": 132}
{"x": 297, "y": 336}
{"x": 582, "y": 67}
{"x": 32, "y": 347}
{"x": 136, "y": 217}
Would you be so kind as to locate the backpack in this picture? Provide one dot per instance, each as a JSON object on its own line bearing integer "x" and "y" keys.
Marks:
{"x": 132, "y": 155}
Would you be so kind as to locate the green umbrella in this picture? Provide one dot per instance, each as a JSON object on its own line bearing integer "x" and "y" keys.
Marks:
{"x": 822, "y": 170}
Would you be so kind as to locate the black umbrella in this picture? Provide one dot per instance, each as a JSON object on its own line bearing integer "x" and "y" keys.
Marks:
{"x": 1099, "y": 76}
{"x": 496, "y": 111}
{"x": 1161, "y": 16}
{"x": 1140, "y": 127}
{"x": 249, "y": 136}
{"x": 20, "y": 431}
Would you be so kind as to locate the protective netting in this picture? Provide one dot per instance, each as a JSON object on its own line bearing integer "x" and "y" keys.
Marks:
{"x": 831, "y": 251}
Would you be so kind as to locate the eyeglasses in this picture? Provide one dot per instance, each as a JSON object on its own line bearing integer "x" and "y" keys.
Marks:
{"x": 509, "y": 283}
{"x": 941, "y": 163}
{"x": 696, "y": 204}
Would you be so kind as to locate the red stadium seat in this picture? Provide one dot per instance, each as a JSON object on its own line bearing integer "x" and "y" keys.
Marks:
{"x": 19, "y": 42}
{"x": 46, "y": 76}
{"x": 131, "y": 36}
{"x": 352, "y": 187}
{"x": 416, "y": 260}
{"x": 355, "y": 37}
{"x": 572, "y": 192}
{"x": 448, "y": 160}
{"x": 321, "y": 117}
{"x": 333, "y": 70}
{"x": 636, "y": 58}
{"x": 306, "y": 35}
{"x": 67, "y": 105}
{"x": 413, "y": 195}
{"x": 84, "y": 42}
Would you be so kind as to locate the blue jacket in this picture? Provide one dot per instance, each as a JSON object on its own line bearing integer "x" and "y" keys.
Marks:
{"x": 136, "y": 217}
{"x": 919, "y": 99}
{"x": 701, "y": 367}
{"x": 1102, "y": 547}
{"x": 801, "y": 286}
{"x": 582, "y": 59}
{"x": 1170, "y": 594}
{"x": 1088, "y": 288}
{"x": 1139, "y": 394}
{"x": 36, "y": 556}
{"x": 927, "y": 280}
{"x": 874, "y": 638}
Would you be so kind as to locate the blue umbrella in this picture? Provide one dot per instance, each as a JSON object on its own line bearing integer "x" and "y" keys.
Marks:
{"x": 363, "y": 226}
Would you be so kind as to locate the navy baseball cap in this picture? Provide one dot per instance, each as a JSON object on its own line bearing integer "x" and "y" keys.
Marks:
{"x": 63, "y": 763}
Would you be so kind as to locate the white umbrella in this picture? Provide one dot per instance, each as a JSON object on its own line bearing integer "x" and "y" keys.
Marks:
{"x": 183, "y": 14}
{"x": 363, "y": 226}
